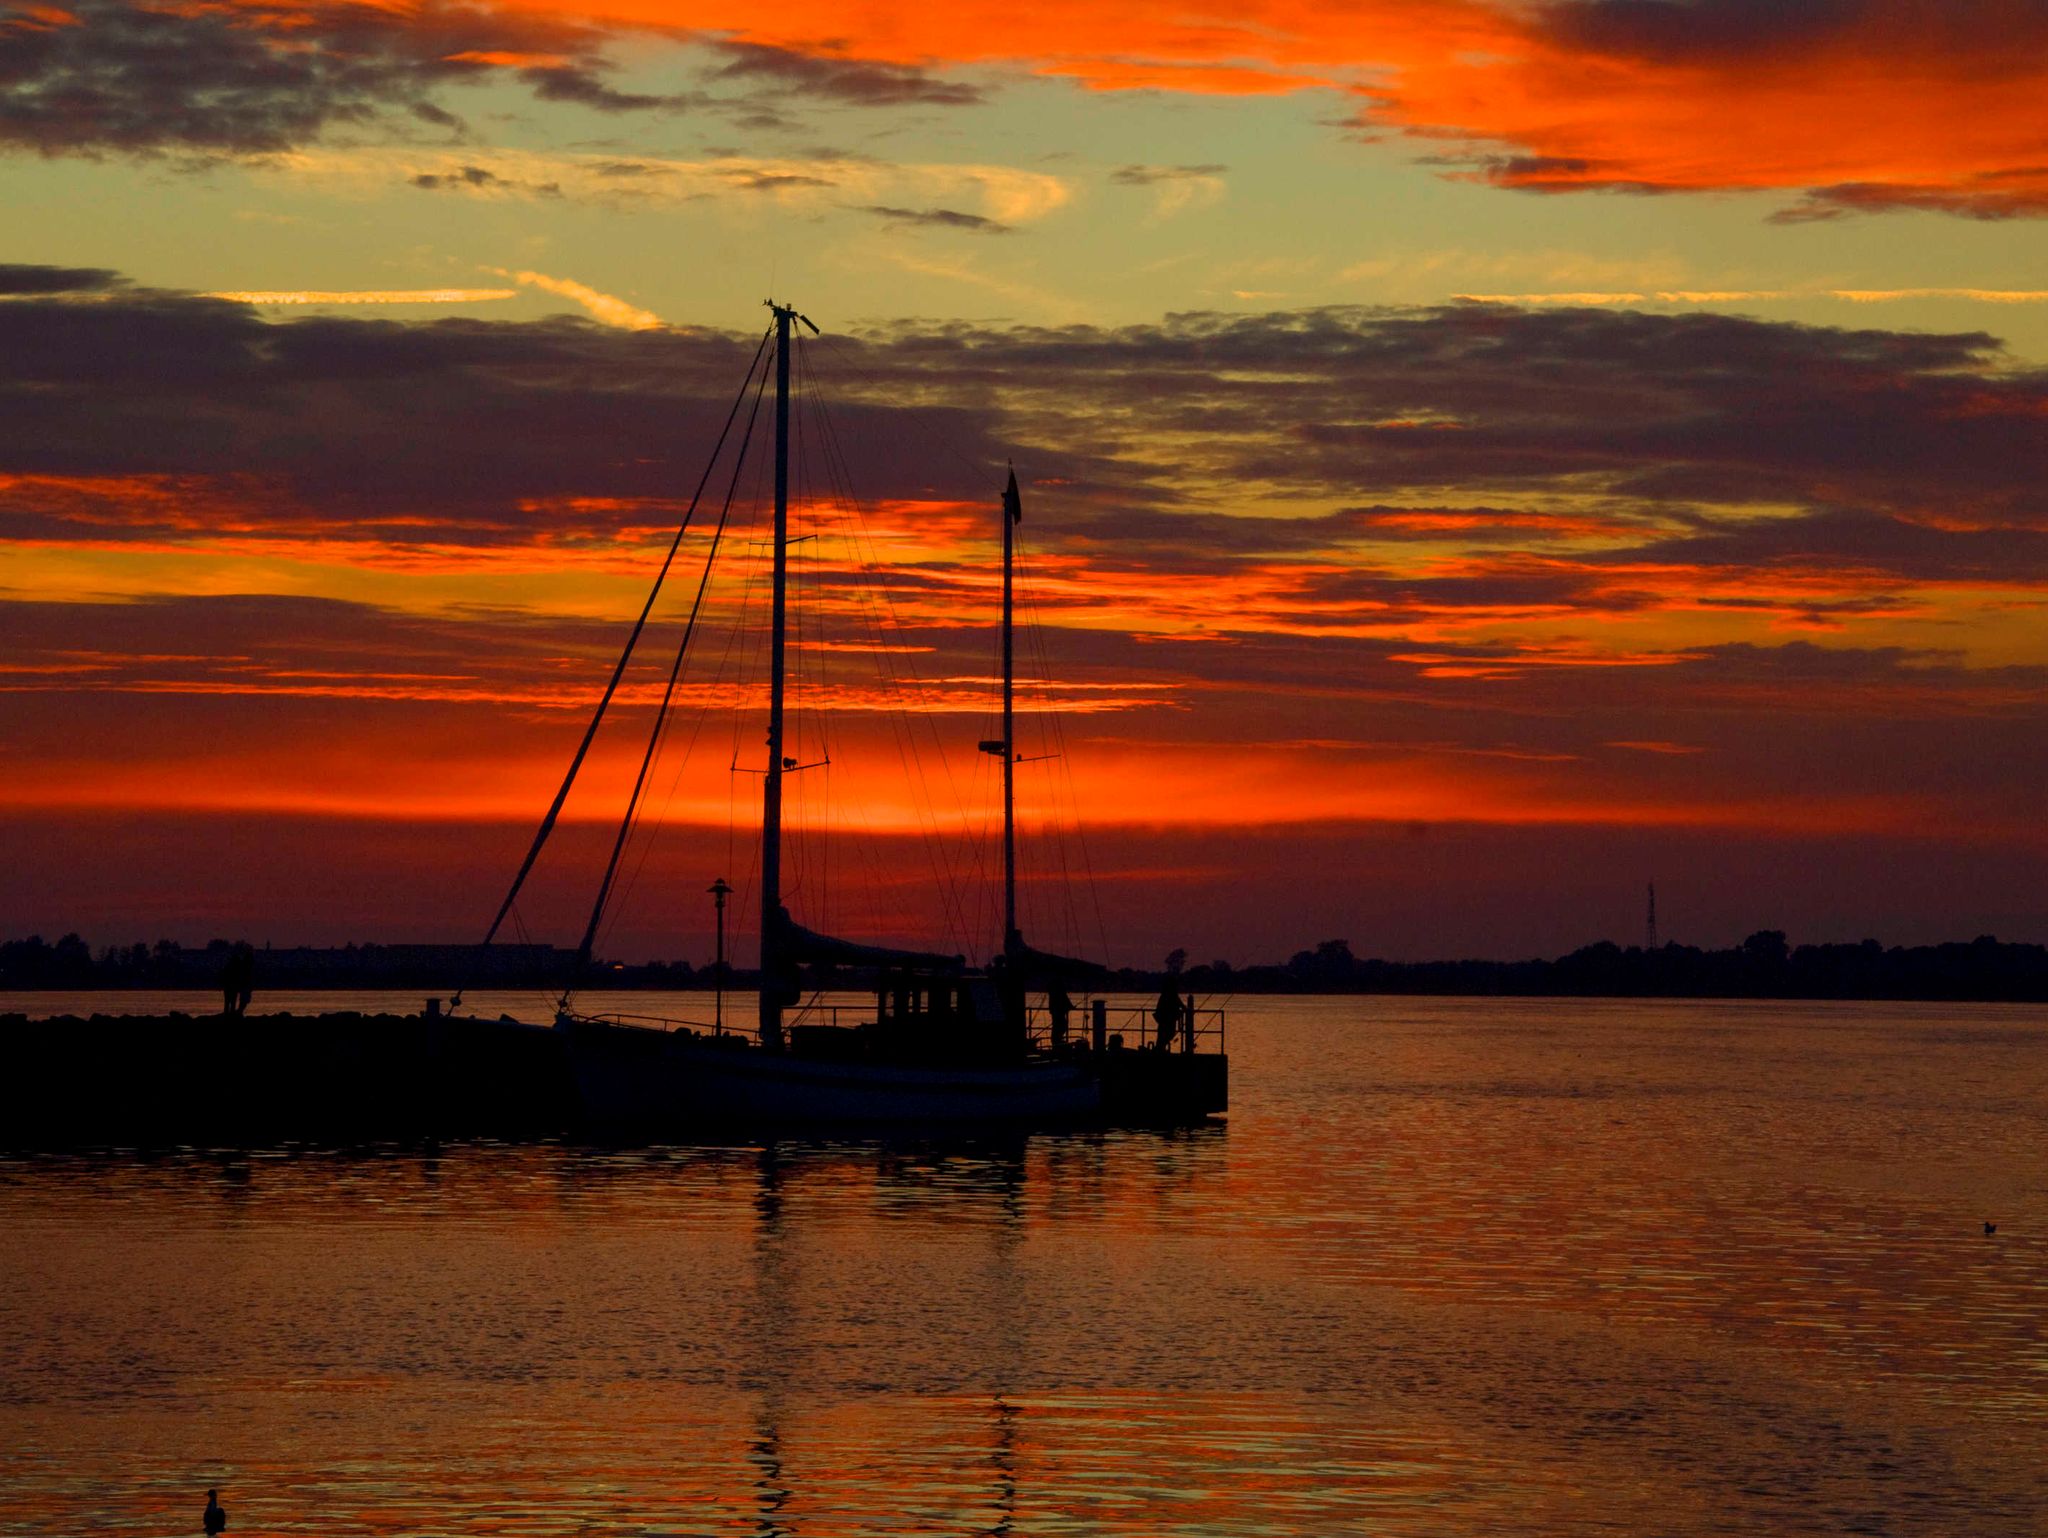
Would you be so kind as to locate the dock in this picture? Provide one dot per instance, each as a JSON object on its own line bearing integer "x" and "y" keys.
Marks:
{"x": 140, "y": 1081}
{"x": 143, "y": 1080}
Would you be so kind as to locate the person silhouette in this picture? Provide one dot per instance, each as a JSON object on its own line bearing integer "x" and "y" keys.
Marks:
{"x": 1166, "y": 1015}
{"x": 245, "y": 976}
{"x": 1061, "y": 1010}
{"x": 216, "y": 1518}
{"x": 237, "y": 980}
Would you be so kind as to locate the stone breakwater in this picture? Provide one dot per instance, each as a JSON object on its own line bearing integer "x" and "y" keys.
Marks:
{"x": 140, "y": 1080}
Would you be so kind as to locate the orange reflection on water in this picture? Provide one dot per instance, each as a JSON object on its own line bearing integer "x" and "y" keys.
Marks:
{"x": 1452, "y": 1267}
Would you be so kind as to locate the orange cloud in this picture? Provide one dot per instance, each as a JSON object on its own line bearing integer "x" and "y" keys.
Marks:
{"x": 1891, "y": 104}
{"x": 608, "y": 308}
{"x": 1880, "y": 105}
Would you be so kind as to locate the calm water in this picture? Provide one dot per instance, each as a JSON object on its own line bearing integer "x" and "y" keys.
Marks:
{"x": 1451, "y": 1267}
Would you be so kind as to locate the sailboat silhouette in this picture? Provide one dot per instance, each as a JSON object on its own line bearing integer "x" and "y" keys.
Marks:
{"x": 943, "y": 1044}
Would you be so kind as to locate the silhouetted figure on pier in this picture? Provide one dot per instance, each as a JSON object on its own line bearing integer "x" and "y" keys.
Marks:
{"x": 1166, "y": 1015}
{"x": 216, "y": 1518}
{"x": 1060, "y": 1009}
{"x": 237, "y": 981}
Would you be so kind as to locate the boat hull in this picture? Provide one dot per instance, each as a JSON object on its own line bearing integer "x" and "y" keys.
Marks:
{"x": 1162, "y": 1088}
{"x": 629, "y": 1077}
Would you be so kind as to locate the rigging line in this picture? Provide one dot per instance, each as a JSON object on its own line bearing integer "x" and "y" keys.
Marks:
{"x": 885, "y": 904}
{"x": 918, "y": 416}
{"x": 906, "y": 706}
{"x": 1065, "y": 760}
{"x": 945, "y": 875}
{"x": 939, "y": 851}
{"x": 740, "y": 638}
{"x": 861, "y": 565}
{"x": 835, "y": 586}
{"x": 813, "y": 608}
{"x": 539, "y": 986}
{"x": 755, "y": 616}
{"x": 668, "y": 694}
{"x": 827, "y": 679}
{"x": 802, "y": 835}
{"x": 698, "y": 724}
{"x": 1049, "y": 731}
{"x": 755, "y": 647}
{"x": 646, "y": 844}
{"x": 735, "y": 676}
{"x": 547, "y": 823}
{"x": 805, "y": 831}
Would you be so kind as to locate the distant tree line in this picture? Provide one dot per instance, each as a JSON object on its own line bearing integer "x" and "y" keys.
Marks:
{"x": 71, "y": 963}
{"x": 1762, "y": 966}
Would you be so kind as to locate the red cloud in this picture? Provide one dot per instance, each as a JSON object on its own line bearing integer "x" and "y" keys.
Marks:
{"x": 1885, "y": 104}
{"x": 1876, "y": 104}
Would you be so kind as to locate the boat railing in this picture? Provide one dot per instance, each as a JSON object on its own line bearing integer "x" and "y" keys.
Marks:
{"x": 1134, "y": 1024}
{"x": 1201, "y": 1030}
{"x": 658, "y": 1023}
{"x": 830, "y": 1014}
{"x": 806, "y": 1014}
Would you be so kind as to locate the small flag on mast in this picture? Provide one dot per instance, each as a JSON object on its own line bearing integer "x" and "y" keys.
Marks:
{"x": 1013, "y": 504}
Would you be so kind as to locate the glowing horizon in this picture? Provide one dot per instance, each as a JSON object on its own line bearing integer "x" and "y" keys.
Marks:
{"x": 1556, "y": 428}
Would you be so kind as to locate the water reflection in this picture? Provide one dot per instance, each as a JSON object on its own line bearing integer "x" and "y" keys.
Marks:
{"x": 1003, "y": 1459}
{"x": 981, "y": 1186}
{"x": 1456, "y": 1271}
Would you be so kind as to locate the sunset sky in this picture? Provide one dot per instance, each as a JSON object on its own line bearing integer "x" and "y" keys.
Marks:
{"x": 1478, "y": 458}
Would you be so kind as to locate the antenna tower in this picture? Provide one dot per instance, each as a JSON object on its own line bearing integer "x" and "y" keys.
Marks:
{"x": 1650, "y": 921}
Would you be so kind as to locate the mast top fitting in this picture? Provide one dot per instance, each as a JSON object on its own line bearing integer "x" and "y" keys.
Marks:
{"x": 793, "y": 313}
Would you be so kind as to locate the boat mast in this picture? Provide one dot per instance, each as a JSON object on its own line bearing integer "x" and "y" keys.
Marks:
{"x": 1012, "y": 941}
{"x": 771, "y": 796}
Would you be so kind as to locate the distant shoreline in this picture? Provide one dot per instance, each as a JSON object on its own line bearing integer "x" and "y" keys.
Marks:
{"x": 1764, "y": 966}
{"x": 1130, "y": 984}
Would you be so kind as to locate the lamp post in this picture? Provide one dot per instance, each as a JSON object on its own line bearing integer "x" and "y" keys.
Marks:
{"x": 719, "y": 892}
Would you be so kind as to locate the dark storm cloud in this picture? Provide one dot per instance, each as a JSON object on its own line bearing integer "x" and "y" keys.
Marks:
{"x": 1662, "y": 29}
{"x": 481, "y": 426}
{"x": 1558, "y": 450}
{"x": 1128, "y": 535}
{"x": 1550, "y": 173}
{"x": 852, "y": 82}
{"x": 1848, "y": 540}
{"x": 1656, "y": 409}
{"x": 582, "y": 86}
{"x": 461, "y": 176}
{"x": 1334, "y": 598}
{"x": 331, "y": 649}
{"x": 123, "y": 78}
{"x": 938, "y": 218}
{"x": 18, "y": 279}
{"x": 775, "y": 181}
{"x": 2020, "y": 194}
{"x": 249, "y": 640}
{"x": 480, "y": 179}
